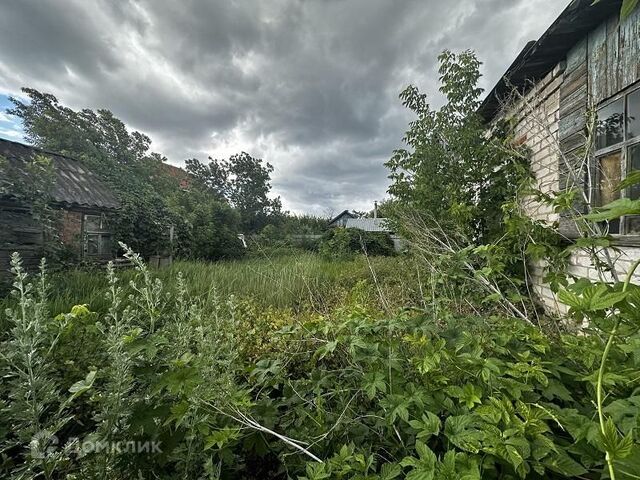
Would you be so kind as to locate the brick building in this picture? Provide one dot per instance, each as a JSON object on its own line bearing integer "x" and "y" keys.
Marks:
{"x": 588, "y": 61}
{"x": 77, "y": 197}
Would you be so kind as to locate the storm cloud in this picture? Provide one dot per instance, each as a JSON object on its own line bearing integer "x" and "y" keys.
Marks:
{"x": 309, "y": 85}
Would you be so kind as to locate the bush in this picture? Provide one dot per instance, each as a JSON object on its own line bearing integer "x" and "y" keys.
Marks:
{"x": 206, "y": 228}
{"x": 412, "y": 397}
{"x": 345, "y": 242}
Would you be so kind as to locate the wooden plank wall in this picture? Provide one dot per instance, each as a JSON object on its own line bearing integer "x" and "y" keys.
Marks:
{"x": 573, "y": 107}
{"x": 614, "y": 56}
{"x": 20, "y": 233}
{"x": 604, "y": 63}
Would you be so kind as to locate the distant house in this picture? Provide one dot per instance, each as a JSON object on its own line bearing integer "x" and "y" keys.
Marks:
{"x": 347, "y": 219}
{"x": 369, "y": 224}
{"x": 78, "y": 196}
{"x": 341, "y": 219}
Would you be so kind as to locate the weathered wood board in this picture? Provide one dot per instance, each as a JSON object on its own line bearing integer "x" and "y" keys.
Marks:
{"x": 614, "y": 56}
{"x": 19, "y": 233}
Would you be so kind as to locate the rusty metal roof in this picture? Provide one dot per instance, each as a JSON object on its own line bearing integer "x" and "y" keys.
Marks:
{"x": 75, "y": 184}
{"x": 539, "y": 57}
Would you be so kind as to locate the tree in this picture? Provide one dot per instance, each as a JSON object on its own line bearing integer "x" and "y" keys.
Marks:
{"x": 244, "y": 181}
{"x": 451, "y": 168}
{"x": 212, "y": 177}
{"x": 103, "y": 142}
{"x": 97, "y": 135}
{"x": 207, "y": 228}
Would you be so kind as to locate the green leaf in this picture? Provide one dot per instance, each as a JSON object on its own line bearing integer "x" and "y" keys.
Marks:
{"x": 221, "y": 438}
{"x": 471, "y": 395}
{"x": 462, "y": 432}
{"x": 569, "y": 298}
{"x": 424, "y": 468}
{"x": 602, "y": 299}
{"x": 615, "y": 209}
{"x": 628, "y": 468}
{"x": 514, "y": 456}
{"x": 593, "y": 298}
{"x": 327, "y": 349}
{"x": 632, "y": 178}
{"x": 401, "y": 411}
{"x": 563, "y": 464}
{"x": 373, "y": 382}
{"x": 82, "y": 386}
{"x": 428, "y": 426}
{"x": 389, "y": 471}
{"x": 627, "y": 7}
{"x": 617, "y": 447}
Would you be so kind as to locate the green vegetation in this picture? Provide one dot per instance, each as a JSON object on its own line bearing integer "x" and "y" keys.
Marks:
{"x": 346, "y": 242}
{"x": 437, "y": 364}
{"x": 152, "y": 194}
{"x": 236, "y": 370}
{"x": 293, "y": 280}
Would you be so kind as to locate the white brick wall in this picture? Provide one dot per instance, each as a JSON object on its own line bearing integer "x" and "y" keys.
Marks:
{"x": 537, "y": 128}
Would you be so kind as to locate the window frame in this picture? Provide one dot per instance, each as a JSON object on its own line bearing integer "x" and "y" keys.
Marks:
{"x": 101, "y": 233}
{"x": 625, "y": 158}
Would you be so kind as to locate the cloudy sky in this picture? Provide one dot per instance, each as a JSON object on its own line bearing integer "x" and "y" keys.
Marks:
{"x": 309, "y": 85}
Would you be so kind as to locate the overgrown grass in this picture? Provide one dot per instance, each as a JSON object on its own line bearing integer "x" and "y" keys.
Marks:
{"x": 303, "y": 280}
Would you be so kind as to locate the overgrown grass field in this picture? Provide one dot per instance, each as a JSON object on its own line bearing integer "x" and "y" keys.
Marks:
{"x": 296, "y": 280}
{"x": 300, "y": 367}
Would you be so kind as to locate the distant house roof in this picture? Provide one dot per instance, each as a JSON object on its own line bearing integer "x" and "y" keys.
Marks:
{"x": 75, "y": 184}
{"x": 181, "y": 175}
{"x": 539, "y": 57}
{"x": 344, "y": 213}
{"x": 369, "y": 224}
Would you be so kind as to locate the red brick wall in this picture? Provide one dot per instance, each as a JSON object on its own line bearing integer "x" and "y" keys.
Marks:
{"x": 71, "y": 228}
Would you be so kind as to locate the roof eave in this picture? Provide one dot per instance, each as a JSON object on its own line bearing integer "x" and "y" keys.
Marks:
{"x": 540, "y": 57}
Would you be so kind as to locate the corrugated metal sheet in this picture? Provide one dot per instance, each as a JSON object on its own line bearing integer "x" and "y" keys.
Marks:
{"x": 75, "y": 184}
{"x": 368, "y": 224}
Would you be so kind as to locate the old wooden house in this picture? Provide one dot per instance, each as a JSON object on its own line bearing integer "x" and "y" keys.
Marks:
{"x": 587, "y": 63}
{"x": 76, "y": 197}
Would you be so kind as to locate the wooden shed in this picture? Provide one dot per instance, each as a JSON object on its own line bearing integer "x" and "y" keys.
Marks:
{"x": 77, "y": 198}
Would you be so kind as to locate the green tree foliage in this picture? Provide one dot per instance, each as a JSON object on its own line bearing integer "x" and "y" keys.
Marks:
{"x": 303, "y": 224}
{"x": 209, "y": 227}
{"x": 346, "y": 242}
{"x": 451, "y": 168}
{"x": 243, "y": 181}
{"x": 151, "y": 198}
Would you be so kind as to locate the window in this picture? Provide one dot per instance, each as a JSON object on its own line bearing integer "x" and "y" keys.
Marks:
{"x": 617, "y": 153}
{"x": 610, "y": 125}
{"x": 97, "y": 237}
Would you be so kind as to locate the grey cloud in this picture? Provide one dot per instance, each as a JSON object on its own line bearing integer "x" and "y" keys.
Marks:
{"x": 311, "y": 86}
